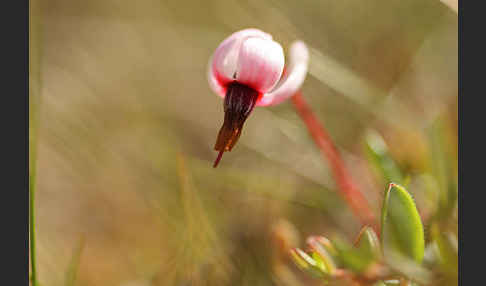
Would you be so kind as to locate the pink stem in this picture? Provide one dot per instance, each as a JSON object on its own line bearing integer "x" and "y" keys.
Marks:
{"x": 348, "y": 189}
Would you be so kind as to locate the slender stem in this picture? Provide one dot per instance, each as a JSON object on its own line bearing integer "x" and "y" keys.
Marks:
{"x": 34, "y": 93}
{"x": 349, "y": 191}
{"x": 35, "y": 52}
{"x": 32, "y": 230}
{"x": 33, "y": 122}
{"x": 32, "y": 184}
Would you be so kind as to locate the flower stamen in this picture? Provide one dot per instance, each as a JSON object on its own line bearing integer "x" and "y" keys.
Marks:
{"x": 238, "y": 104}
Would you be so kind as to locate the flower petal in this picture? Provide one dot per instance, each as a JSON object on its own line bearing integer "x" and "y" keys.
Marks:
{"x": 223, "y": 63}
{"x": 292, "y": 79}
{"x": 260, "y": 63}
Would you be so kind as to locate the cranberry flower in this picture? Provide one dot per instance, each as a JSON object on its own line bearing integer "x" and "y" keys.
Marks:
{"x": 247, "y": 69}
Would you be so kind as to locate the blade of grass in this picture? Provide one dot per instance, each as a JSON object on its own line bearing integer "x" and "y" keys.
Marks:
{"x": 34, "y": 94}
{"x": 32, "y": 229}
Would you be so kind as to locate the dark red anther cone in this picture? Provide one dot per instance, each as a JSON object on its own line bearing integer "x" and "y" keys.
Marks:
{"x": 238, "y": 104}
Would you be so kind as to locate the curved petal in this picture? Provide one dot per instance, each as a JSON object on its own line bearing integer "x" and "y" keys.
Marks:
{"x": 260, "y": 63}
{"x": 215, "y": 84}
{"x": 293, "y": 78}
{"x": 223, "y": 62}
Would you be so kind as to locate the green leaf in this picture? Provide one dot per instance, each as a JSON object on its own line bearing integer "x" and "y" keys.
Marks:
{"x": 301, "y": 258}
{"x": 368, "y": 242}
{"x": 319, "y": 262}
{"x": 307, "y": 263}
{"x": 355, "y": 259}
{"x": 380, "y": 158}
{"x": 401, "y": 227}
{"x": 320, "y": 246}
{"x": 324, "y": 242}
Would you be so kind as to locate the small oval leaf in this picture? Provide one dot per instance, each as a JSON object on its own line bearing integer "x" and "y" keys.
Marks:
{"x": 324, "y": 242}
{"x": 319, "y": 262}
{"x": 355, "y": 259}
{"x": 380, "y": 158}
{"x": 308, "y": 263}
{"x": 301, "y": 259}
{"x": 320, "y": 250}
{"x": 401, "y": 227}
{"x": 368, "y": 242}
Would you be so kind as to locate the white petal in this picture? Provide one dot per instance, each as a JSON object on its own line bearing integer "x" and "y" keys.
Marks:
{"x": 223, "y": 63}
{"x": 260, "y": 64}
{"x": 293, "y": 78}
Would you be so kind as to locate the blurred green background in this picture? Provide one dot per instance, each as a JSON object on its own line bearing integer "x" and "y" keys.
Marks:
{"x": 126, "y": 123}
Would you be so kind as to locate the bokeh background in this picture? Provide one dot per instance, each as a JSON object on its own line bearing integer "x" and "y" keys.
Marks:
{"x": 125, "y": 127}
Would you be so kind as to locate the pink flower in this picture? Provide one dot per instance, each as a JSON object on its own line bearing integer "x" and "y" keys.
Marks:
{"x": 247, "y": 69}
